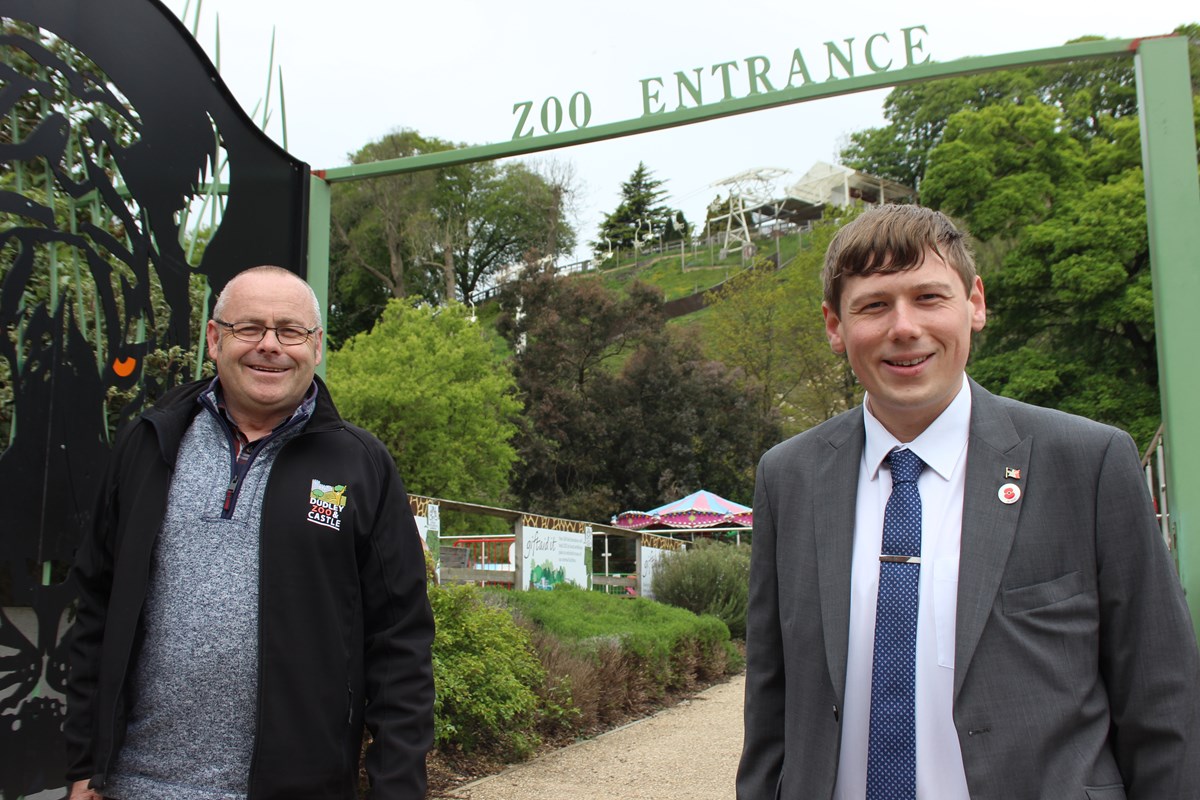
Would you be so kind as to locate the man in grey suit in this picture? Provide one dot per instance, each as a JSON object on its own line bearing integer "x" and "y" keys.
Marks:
{"x": 1050, "y": 655}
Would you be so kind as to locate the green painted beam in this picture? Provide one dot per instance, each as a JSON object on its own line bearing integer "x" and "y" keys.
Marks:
{"x": 318, "y": 247}
{"x": 743, "y": 105}
{"x": 1173, "y": 211}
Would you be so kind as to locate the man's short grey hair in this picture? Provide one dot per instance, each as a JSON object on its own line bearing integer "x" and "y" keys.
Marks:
{"x": 219, "y": 308}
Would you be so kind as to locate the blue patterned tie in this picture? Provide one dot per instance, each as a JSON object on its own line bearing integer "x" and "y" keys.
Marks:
{"x": 892, "y": 747}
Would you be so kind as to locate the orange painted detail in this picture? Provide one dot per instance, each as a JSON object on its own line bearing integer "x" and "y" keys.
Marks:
{"x": 124, "y": 367}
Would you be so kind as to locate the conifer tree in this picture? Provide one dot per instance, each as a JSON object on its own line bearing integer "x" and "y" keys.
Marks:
{"x": 641, "y": 213}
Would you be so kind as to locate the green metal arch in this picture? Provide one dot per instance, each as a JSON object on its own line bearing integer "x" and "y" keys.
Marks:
{"x": 1172, "y": 206}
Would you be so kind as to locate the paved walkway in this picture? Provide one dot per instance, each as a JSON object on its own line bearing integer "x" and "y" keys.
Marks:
{"x": 688, "y": 752}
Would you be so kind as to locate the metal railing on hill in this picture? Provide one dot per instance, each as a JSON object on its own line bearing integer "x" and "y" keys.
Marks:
{"x": 766, "y": 232}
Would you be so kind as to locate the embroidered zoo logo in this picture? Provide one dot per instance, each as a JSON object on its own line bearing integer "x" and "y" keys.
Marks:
{"x": 326, "y": 504}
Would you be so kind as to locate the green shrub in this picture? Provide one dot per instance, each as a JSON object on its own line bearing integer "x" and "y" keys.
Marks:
{"x": 645, "y": 650}
{"x": 513, "y": 669}
{"x": 709, "y": 578}
{"x": 486, "y": 674}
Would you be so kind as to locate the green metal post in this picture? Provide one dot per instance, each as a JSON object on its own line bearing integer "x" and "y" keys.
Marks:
{"x": 1173, "y": 211}
{"x": 319, "y": 195}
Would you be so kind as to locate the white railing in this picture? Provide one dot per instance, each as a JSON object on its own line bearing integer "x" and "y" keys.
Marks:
{"x": 1155, "y": 465}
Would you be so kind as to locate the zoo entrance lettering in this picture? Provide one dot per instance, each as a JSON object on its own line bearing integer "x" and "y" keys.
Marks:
{"x": 728, "y": 80}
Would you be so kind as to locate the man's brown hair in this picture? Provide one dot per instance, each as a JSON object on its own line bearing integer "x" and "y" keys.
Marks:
{"x": 894, "y": 238}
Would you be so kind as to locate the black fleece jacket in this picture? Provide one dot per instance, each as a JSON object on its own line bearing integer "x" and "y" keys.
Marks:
{"x": 345, "y": 626}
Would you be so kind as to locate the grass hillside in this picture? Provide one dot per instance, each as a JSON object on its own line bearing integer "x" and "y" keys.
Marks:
{"x": 698, "y": 269}
{"x": 701, "y": 269}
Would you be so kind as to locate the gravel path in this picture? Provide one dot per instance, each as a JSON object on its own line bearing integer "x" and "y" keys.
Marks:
{"x": 689, "y": 751}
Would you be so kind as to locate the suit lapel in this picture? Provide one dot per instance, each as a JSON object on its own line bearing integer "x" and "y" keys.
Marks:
{"x": 988, "y": 524}
{"x": 833, "y": 516}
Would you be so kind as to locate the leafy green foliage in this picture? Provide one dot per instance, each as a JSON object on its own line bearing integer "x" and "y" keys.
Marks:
{"x": 678, "y": 423}
{"x": 485, "y": 672}
{"x": 1003, "y": 167}
{"x": 619, "y": 414}
{"x": 566, "y": 334}
{"x": 1085, "y": 93}
{"x": 514, "y": 668}
{"x": 380, "y": 234}
{"x": 917, "y": 115}
{"x": 496, "y": 216}
{"x": 757, "y": 326}
{"x": 769, "y": 323}
{"x": 708, "y": 578}
{"x": 1072, "y": 312}
{"x": 429, "y": 383}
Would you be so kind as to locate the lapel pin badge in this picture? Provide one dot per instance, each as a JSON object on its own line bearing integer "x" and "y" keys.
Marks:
{"x": 1012, "y": 473}
{"x": 1009, "y": 493}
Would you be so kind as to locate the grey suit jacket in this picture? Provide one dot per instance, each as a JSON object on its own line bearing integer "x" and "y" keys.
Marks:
{"x": 1076, "y": 668}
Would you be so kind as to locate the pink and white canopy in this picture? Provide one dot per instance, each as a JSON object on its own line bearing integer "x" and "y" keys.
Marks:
{"x": 701, "y": 509}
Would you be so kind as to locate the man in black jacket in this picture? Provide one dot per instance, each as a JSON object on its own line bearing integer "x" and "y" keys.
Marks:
{"x": 253, "y": 589}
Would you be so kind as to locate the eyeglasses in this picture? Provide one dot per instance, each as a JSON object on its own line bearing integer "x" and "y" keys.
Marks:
{"x": 287, "y": 335}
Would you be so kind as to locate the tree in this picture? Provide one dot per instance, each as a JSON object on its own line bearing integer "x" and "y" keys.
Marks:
{"x": 770, "y": 325}
{"x": 436, "y": 234}
{"x": 566, "y": 334}
{"x": 1083, "y": 92}
{"x": 560, "y": 204}
{"x": 1071, "y": 322}
{"x": 680, "y": 423}
{"x": 379, "y": 230}
{"x": 755, "y": 325}
{"x": 917, "y": 115}
{"x": 379, "y": 224}
{"x": 640, "y": 215}
{"x": 429, "y": 383}
{"x": 618, "y": 414}
{"x": 829, "y": 386}
{"x": 495, "y": 217}
{"x": 1003, "y": 167}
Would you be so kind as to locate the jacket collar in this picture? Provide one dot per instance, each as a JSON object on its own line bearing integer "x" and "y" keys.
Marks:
{"x": 172, "y": 414}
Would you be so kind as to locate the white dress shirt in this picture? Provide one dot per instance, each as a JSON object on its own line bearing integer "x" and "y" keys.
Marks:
{"x": 943, "y": 448}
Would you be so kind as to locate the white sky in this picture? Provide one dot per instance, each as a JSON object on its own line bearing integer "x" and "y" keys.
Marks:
{"x": 356, "y": 69}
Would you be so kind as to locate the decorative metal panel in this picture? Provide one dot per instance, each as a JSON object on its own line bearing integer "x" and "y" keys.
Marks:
{"x": 114, "y": 126}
